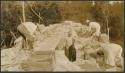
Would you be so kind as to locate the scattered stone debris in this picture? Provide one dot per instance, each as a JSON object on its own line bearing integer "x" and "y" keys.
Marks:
{"x": 104, "y": 38}
{"x": 49, "y": 44}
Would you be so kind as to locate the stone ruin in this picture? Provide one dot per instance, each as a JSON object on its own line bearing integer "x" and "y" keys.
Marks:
{"x": 47, "y": 46}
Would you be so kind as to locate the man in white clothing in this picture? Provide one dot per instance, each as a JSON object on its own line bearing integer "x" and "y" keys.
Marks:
{"x": 94, "y": 27}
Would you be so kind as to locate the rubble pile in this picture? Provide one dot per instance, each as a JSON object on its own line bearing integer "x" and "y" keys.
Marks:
{"x": 12, "y": 58}
{"x": 49, "y": 44}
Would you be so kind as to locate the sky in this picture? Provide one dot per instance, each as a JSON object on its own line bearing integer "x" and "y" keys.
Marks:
{"x": 112, "y": 2}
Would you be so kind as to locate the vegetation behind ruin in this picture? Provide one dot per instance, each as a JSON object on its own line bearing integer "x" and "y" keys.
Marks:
{"x": 55, "y": 12}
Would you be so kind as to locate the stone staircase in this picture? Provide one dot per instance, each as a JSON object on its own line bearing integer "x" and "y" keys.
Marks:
{"x": 42, "y": 58}
{"x": 40, "y": 61}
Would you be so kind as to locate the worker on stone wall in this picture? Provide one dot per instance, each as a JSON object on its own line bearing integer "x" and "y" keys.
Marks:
{"x": 94, "y": 27}
{"x": 71, "y": 50}
{"x": 27, "y": 30}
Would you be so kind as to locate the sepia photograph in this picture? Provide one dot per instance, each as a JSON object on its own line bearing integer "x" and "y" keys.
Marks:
{"x": 62, "y": 36}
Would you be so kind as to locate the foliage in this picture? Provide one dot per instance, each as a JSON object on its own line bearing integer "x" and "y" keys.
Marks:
{"x": 114, "y": 17}
{"x": 53, "y": 12}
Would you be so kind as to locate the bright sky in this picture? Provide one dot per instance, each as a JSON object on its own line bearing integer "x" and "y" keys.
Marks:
{"x": 111, "y": 2}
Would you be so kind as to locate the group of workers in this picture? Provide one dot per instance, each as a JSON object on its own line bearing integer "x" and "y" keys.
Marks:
{"x": 112, "y": 51}
{"x": 94, "y": 28}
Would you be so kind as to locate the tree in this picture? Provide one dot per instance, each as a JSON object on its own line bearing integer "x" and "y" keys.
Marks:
{"x": 10, "y": 19}
{"x": 23, "y": 11}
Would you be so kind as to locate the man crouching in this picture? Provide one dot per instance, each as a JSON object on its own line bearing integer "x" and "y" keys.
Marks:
{"x": 94, "y": 27}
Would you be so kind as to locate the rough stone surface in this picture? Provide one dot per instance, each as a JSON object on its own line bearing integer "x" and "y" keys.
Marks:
{"x": 104, "y": 38}
{"x": 63, "y": 64}
{"x": 48, "y": 50}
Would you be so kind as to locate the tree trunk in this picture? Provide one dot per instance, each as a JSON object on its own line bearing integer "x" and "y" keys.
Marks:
{"x": 23, "y": 9}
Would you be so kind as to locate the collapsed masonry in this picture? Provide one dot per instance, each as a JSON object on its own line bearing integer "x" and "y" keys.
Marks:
{"x": 47, "y": 47}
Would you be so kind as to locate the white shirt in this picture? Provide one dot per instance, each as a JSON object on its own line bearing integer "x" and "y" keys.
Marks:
{"x": 96, "y": 26}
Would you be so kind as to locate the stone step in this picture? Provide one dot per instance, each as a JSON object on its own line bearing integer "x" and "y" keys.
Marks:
{"x": 40, "y": 62}
{"x": 42, "y": 59}
{"x": 39, "y": 66}
{"x": 41, "y": 56}
{"x": 42, "y": 53}
{"x": 31, "y": 68}
{"x": 39, "y": 69}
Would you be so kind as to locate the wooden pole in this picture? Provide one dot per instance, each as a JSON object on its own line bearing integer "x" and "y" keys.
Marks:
{"x": 13, "y": 34}
{"x": 106, "y": 12}
{"x": 107, "y": 9}
{"x": 2, "y": 42}
{"x": 24, "y": 20}
{"x": 21, "y": 20}
{"x": 23, "y": 11}
{"x": 39, "y": 18}
{"x": 36, "y": 14}
{"x": 108, "y": 29}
